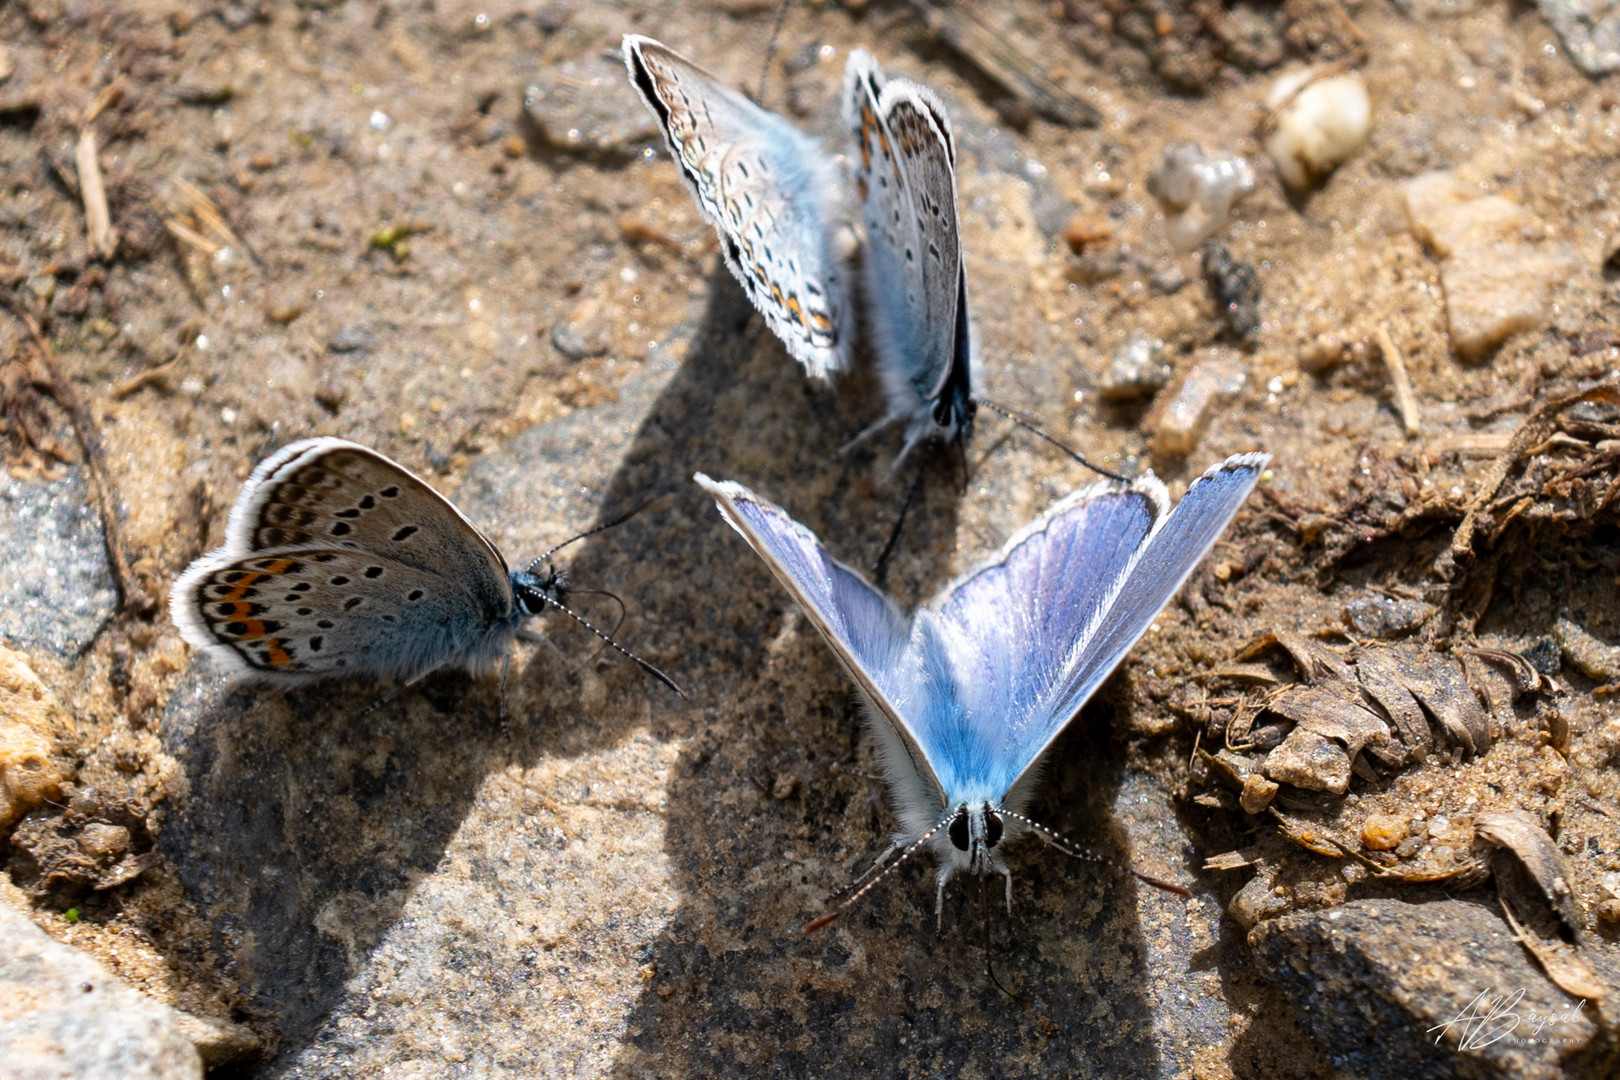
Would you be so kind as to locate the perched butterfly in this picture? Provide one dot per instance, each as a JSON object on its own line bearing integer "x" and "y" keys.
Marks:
{"x": 338, "y": 561}
{"x": 916, "y": 288}
{"x": 766, "y": 187}
{"x": 967, "y": 695}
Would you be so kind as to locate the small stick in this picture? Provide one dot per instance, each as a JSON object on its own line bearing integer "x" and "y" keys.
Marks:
{"x": 97, "y": 218}
{"x": 1401, "y": 382}
{"x": 130, "y": 595}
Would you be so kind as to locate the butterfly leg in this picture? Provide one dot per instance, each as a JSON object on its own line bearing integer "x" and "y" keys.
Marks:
{"x": 939, "y": 906}
{"x": 1006, "y": 873}
{"x": 867, "y": 433}
{"x": 534, "y": 637}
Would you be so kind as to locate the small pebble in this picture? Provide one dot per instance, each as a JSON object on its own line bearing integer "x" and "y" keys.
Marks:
{"x": 102, "y": 840}
{"x": 1179, "y": 420}
{"x": 1235, "y": 288}
{"x": 1087, "y": 230}
{"x": 1257, "y": 793}
{"x": 1586, "y": 653}
{"x": 1197, "y": 192}
{"x": 1383, "y": 832}
{"x": 1497, "y": 274}
{"x": 1137, "y": 370}
{"x": 1319, "y": 122}
{"x": 350, "y": 339}
{"x": 1384, "y": 616}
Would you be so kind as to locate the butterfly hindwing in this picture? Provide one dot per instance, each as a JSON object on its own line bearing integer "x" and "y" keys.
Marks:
{"x": 764, "y": 186}
{"x": 293, "y": 614}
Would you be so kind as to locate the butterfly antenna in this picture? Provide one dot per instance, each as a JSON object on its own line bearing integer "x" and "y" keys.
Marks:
{"x": 770, "y": 50}
{"x": 881, "y": 572}
{"x": 1075, "y": 851}
{"x": 592, "y": 531}
{"x": 817, "y": 924}
{"x": 648, "y": 668}
{"x": 1029, "y": 425}
{"x": 989, "y": 968}
{"x": 617, "y": 622}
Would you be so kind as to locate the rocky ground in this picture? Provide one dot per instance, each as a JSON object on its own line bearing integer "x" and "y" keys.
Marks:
{"x": 1373, "y": 736}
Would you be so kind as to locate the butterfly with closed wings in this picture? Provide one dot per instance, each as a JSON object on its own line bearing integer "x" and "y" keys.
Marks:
{"x": 916, "y": 283}
{"x": 338, "y": 561}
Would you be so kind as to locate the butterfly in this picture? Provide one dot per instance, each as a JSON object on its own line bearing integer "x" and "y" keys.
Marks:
{"x": 904, "y": 166}
{"x": 766, "y": 187}
{"x": 339, "y": 561}
{"x": 966, "y": 697}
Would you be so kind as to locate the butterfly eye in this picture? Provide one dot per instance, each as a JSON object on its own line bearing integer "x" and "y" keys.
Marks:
{"x": 959, "y": 830}
{"x": 992, "y": 828}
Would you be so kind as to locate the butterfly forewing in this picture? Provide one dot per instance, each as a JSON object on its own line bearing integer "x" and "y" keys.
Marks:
{"x": 327, "y": 492}
{"x": 863, "y": 626}
{"x": 1166, "y": 559}
{"x": 905, "y": 163}
{"x": 1011, "y": 629}
{"x": 763, "y": 184}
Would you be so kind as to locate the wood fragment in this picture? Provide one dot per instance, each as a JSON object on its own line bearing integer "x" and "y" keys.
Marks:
{"x": 1400, "y": 382}
{"x": 97, "y": 218}
{"x": 144, "y": 379}
{"x": 1534, "y": 431}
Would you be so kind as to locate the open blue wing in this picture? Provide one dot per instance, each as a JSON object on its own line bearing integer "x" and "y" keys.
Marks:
{"x": 1031, "y": 636}
{"x": 865, "y": 629}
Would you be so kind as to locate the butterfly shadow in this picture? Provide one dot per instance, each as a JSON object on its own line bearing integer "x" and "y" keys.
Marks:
{"x": 310, "y": 824}
{"x": 774, "y": 799}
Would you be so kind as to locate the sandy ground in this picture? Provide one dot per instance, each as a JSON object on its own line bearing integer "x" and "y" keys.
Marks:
{"x": 377, "y": 221}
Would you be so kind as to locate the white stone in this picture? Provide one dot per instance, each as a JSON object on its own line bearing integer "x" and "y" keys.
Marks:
{"x": 1319, "y": 121}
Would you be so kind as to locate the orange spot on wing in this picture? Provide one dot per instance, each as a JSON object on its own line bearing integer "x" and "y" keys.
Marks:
{"x": 278, "y": 655}
{"x": 255, "y": 629}
{"x": 247, "y": 582}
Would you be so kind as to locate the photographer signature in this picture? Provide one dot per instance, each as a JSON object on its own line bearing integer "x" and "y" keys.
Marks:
{"x": 1491, "y": 1018}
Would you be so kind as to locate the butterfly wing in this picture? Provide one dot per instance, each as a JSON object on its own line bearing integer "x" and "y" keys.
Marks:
{"x": 763, "y": 184}
{"x": 1033, "y": 634}
{"x": 864, "y": 628}
{"x": 294, "y": 614}
{"x": 334, "y": 493}
{"x": 905, "y": 174}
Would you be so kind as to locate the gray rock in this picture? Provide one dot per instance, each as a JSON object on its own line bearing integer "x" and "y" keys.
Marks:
{"x": 64, "y": 1015}
{"x": 1590, "y": 31}
{"x": 56, "y": 589}
{"x": 1437, "y": 989}
{"x": 586, "y": 108}
{"x": 620, "y": 888}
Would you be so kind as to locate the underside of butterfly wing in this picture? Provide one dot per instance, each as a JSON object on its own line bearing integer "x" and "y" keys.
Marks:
{"x": 764, "y": 185}
{"x": 904, "y": 165}
{"x": 293, "y": 614}
{"x": 330, "y": 492}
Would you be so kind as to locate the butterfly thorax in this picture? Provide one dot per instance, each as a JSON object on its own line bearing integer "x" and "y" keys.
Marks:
{"x": 973, "y": 834}
{"x": 532, "y": 592}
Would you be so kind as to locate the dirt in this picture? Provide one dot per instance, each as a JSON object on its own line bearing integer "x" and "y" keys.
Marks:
{"x": 345, "y": 219}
